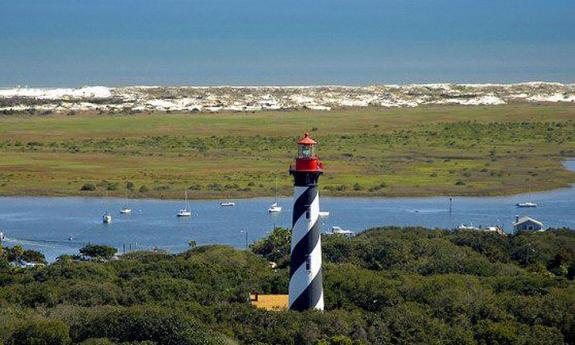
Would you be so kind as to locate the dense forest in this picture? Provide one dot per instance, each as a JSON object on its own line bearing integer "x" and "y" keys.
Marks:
{"x": 384, "y": 286}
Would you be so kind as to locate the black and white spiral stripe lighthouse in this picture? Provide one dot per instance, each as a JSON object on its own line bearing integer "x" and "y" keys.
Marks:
{"x": 305, "y": 286}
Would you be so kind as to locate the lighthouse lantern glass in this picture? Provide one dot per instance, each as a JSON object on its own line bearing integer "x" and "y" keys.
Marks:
{"x": 306, "y": 151}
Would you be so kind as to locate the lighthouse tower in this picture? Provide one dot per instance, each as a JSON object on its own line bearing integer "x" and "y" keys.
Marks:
{"x": 305, "y": 285}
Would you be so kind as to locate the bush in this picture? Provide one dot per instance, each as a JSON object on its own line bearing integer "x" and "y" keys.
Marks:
{"x": 98, "y": 251}
{"x": 142, "y": 325}
{"x": 144, "y": 189}
{"x": 41, "y": 332}
{"x": 89, "y": 187}
{"x": 33, "y": 256}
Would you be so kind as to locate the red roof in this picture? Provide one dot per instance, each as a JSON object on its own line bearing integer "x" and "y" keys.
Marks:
{"x": 306, "y": 140}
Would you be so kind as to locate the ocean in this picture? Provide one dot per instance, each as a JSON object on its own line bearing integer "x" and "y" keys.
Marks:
{"x": 71, "y": 43}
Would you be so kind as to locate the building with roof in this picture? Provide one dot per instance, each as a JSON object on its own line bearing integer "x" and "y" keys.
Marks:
{"x": 526, "y": 223}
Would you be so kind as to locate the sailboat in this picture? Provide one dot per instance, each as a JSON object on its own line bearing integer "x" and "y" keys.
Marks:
{"x": 106, "y": 217}
{"x": 185, "y": 212}
{"x": 126, "y": 209}
{"x": 275, "y": 207}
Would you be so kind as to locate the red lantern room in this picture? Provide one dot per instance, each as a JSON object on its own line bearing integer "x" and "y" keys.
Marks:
{"x": 306, "y": 160}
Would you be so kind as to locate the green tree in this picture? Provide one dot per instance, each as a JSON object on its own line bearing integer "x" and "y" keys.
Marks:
{"x": 98, "y": 251}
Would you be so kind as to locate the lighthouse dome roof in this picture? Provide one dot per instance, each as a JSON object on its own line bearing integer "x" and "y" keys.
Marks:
{"x": 306, "y": 140}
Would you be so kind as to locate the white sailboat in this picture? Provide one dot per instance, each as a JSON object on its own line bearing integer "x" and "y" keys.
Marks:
{"x": 275, "y": 207}
{"x": 185, "y": 212}
{"x": 106, "y": 217}
{"x": 126, "y": 209}
{"x": 323, "y": 214}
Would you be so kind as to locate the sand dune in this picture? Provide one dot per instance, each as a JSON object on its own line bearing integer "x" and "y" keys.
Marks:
{"x": 256, "y": 98}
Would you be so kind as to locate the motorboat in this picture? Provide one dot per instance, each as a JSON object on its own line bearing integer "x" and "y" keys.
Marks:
{"x": 227, "y": 204}
{"x": 107, "y": 218}
{"x": 323, "y": 214}
{"x": 336, "y": 230}
{"x": 526, "y": 204}
{"x": 467, "y": 227}
{"x": 184, "y": 213}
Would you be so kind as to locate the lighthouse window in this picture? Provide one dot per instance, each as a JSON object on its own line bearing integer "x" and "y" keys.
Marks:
{"x": 308, "y": 262}
{"x": 306, "y": 151}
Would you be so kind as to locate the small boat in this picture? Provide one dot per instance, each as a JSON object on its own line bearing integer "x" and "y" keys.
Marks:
{"x": 526, "y": 204}
{"x": 126, "y": 209}
{"x": 323, "y": 214}
{"x": 107, "y": 218}
{"x": 227, "y": 204}
{"x": 2, "y": 236}
{"x": 491, "y": 228}
{"x": 467, "y": 227}
{"x": 274, "y": 208}
{"x": 336, "y": 230}
{"x": 185, "y": 212}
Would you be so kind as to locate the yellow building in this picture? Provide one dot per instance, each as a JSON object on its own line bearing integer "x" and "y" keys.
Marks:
{"x": 269, "y": 302}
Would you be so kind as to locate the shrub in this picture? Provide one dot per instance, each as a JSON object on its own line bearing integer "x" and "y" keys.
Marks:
{"x": 90, "y": 187}
{"x": 98, "y": 251}
{"x": 42, "y": 332}
{"x": 144, "y": 189}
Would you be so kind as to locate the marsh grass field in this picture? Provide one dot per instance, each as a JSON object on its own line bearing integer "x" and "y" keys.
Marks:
{"x": 429, "y": 150}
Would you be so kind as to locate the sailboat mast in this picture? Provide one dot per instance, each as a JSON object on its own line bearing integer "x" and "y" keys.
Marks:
{"x": 276, "y": 190}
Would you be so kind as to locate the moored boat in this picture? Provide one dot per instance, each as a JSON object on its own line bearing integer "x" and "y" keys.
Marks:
{"x": 185, "y": 212}
{"x": 526, "y": 204}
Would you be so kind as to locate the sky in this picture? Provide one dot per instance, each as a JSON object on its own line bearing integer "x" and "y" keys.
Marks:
{"x": 297, "y": 42}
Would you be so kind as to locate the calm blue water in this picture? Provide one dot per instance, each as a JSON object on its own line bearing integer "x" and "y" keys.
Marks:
{"x": 207, "y": 42}
{"x": 45, "y": 224}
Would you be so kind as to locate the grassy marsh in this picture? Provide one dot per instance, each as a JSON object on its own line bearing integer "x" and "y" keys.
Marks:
{"x": 432, "y": 150}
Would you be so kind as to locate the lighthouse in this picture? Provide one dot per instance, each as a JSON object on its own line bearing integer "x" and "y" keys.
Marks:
{"x": 305, "y": 285}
